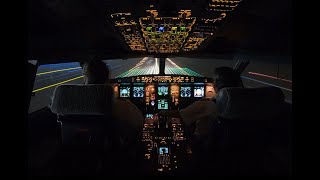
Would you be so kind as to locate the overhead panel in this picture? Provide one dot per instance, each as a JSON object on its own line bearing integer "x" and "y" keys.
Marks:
{"x": 173, "y": 29}
{"x": 129, "y": 29}
{"x": 211, "y": 19}
{"x": 165, "y": 34}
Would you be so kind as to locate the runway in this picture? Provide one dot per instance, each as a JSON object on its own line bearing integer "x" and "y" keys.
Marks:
{"x": 51, "y": 75}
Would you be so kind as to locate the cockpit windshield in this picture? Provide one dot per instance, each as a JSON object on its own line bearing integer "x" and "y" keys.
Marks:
{"x": 51, "y": 75}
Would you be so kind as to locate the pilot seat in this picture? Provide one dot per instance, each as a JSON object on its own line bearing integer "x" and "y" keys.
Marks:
{"x": 85, "y": 115}
{"x": 252, "y": 133}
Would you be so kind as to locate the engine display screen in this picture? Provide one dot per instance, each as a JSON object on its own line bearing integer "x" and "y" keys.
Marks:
{"x": 163, "y": 90}
{"x": 163, "y": 150}
{"x": 163, "y": 104}
{"x": 185, "y": 92}
{"x": 198, "y": 91}
{"x": 138, "y": 91}
{"x": 124, "y": 91}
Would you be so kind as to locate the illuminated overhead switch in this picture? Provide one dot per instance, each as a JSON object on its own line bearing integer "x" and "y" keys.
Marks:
{"x": 149, "y": 29}
{"x": 161, "y": 29}
{"x": 182, "y": 28}
{"x": 174, "y": 28}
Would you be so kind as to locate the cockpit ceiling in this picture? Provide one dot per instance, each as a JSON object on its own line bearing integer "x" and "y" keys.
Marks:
{"x": 75, "y": 30}
{"x": 155, "y": 32}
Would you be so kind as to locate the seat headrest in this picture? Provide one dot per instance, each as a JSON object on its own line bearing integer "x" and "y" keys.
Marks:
{"x": 249, "y": 103}
{"x": 72, "y": 99}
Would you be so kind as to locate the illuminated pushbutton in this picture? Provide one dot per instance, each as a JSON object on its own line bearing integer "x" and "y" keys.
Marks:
{"x": 149, "y": 28}
{"x": 174, "y": 29}
{"x": 161, "y": 29}
{"x": 147, "y": 156}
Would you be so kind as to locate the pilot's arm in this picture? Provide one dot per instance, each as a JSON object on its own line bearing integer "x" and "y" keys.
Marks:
{"x": 198, "y": 110}
{"x": 195, "y": 111}
{"x": 128, "y": 117}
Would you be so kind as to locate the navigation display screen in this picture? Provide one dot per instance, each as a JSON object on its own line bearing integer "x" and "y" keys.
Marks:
{"x": 163, "y": 150}
{"x": 124, "y": 91}
{"x": 163, "y": 90}
{"x": 138, "y": 91}
{"x": 185, "y": 92}
{"x": 198, "y": 91}
{"x": 163, "y": 104}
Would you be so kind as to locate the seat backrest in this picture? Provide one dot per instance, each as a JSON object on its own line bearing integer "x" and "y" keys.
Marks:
{"x": 261, "y": 111}
{"x": 251, "y": 121}
{"x": 93, "y": 99}
{"x": 249, "y": 103}
{"x": 85, "y": 113}
{"x": 84, "y": 110}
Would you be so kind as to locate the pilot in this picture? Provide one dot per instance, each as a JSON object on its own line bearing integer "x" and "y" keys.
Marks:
{"x": 199, "y": 116}
{"x": 128, "y": 118}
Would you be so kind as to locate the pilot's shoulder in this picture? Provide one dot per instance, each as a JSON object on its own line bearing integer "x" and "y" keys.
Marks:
{"x": 125, "y": 104}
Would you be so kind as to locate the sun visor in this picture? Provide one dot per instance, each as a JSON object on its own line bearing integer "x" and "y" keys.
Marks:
{"x": 33, "y": 62}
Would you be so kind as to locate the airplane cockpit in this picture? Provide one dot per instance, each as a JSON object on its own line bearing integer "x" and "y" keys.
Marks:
{"x": 164, "y": 138}
{"x": 161, "y": 55}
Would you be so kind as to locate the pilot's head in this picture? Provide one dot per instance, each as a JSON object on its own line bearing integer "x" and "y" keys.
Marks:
{"x": 226, "y": 77}
{"x": 95, "y": 72}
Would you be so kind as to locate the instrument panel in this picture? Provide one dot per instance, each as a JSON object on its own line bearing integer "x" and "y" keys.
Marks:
{"x": 163, "y": 138}
{"x": 157, "y": 93}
